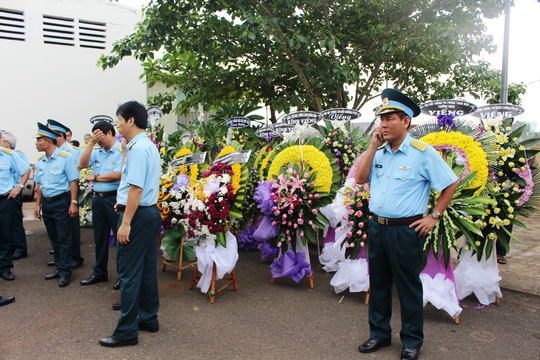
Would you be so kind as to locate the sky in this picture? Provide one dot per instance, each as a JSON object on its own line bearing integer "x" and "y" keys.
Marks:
{"x": 524, "y": 52}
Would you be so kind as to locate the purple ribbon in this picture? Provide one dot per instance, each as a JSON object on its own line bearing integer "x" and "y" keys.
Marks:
{"x": 245, "y": 239}
{"x": 267, "y": 250}
{"x": 291, "y": 264}
{"x": 263, "y": 197}
{"x": 266, "y": 231}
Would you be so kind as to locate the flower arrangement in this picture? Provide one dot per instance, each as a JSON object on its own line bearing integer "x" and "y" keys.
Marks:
{"x": 356, "y": 202}
{"x": 344, "y": 144}
{"x": 208, "y": 205}
{"x": 296, "y": 199}
{"x": 85, "y": 197}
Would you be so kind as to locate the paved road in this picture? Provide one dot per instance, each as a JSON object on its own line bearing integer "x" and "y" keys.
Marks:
{"x": 284, "y": 320}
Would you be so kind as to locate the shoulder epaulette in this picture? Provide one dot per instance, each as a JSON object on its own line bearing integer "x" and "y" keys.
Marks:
{"x": 76, "y": 147}
{"x": 41, "y": 156}
{"x": 119, "y": 148}
{"x": 19, "y": 150}
{"x": 97, "y": 146}
{"x": 67, "y": 148}
{"x": 419, "y": 145}
{"x": 63, "y": 154}
{"x": 10, "y": 152}
{"x": 382, "y": 146}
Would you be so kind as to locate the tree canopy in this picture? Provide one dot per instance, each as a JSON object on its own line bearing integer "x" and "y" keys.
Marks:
{"x": 311, "y": 55}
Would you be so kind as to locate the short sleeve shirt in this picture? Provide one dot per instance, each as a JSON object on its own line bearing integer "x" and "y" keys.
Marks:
{"x": 12, "y": 168}
{"x": 55, "y": 173}
{"x": 400, "y": 182}
{"x": 104, "y": 162}
{"x": 142, "y": 168}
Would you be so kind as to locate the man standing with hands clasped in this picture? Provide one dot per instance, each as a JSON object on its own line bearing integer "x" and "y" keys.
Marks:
{"x": 401, "y": 171}
{"x": 139, "y": 223}
{"x": 106, "y": 162}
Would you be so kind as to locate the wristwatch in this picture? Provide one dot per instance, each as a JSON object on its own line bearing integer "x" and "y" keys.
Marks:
{"x": 74, "y": 202}
{"x": 21, "y": 186}
{"x": 436, "y": 215}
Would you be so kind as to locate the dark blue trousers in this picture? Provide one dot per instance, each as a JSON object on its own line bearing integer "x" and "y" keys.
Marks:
{"x": 104, "y": 219}
{"x": 19, "y": 236}
{"x": 59, "y": 229}
{"x": 395, "y": 253}
{"x": 137, "y": 264}
{"x": 7, "y": 207}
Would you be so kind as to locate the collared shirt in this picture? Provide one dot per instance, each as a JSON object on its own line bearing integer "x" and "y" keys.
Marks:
{"x": 12, "y": 168}
{"x": 104, "y": 162}
{"x": 400, "y": 182}
{"x": 142, "y": 168}
{"x": 75, "y": 153}
{"x": 55, "y": 173}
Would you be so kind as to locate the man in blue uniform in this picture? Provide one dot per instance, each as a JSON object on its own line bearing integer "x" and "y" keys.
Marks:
{"x": 401, "y": 173}
{"x": 62, "y": 143}
{"x": 20, "y": 249}
{"x": 56, "y": 201}
{"x": 139, "y": 224}
{"x": 13, "y": 175}
{"x": 106, "y": 162}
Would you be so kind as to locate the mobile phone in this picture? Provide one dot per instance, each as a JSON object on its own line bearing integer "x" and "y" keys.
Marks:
{"x": 381, "y": 138}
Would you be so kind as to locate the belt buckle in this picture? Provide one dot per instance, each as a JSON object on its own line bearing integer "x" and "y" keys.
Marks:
{"x": 381, "y": 220}
{"x": 100, "y": 194}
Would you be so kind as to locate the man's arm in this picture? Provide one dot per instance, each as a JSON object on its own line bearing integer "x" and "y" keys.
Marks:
{"x": 73, "y": 207}
{"x": 37, "y": 209}
{"x": 17, "y": 189}
{"x": 364, "y": 168}
{"x": 424, "y": 225}
{"x": 133, "y": 200}
{"x": 109, "y": 177}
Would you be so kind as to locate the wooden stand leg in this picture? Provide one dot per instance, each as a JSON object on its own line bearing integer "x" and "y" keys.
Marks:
{"x": 497, "y": 301}
{"x": 178, "y": 265}
{"x": 212, "y": 291}
{"x": 367, "y": 298}
{"x": 456, "y": 320}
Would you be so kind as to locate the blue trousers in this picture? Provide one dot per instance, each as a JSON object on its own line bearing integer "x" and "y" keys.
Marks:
{"x": 137, "y": 265}
{"x": 7, "y": 207}
{"x": 104, "y": 219}
{"x": 19, "y": 236}
{"x": 395, "y": 253}
{"x": 59, "y": 229}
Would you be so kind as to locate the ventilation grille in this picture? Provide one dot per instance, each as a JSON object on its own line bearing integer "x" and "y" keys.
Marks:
{"x": 69, "y": 32}
{"x": 12, "y": 25}
{"x": 92, "y": 34}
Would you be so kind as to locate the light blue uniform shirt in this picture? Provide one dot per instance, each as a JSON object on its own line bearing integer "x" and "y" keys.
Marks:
{"x": 75, "y": 153}
{"x": 24, "y": 158}
{"x": 104, "y": 162}
{"x": 400, "y": 182}
{"x": 56, "y": 173}
{"x": 12, "y": 168}
{"x": 142, "y": 168}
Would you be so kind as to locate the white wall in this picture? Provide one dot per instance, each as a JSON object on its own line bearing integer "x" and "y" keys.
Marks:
{"x": 40, "y": 81}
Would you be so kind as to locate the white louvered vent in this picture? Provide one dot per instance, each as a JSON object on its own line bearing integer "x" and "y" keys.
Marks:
{"x": 58, "y": 31}
{"x": 12, "y": 25}
{"x": 92, "y": 34}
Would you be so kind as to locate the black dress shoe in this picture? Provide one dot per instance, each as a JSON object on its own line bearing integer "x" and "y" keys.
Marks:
{"x": 409, "y": 354}
{"x": 18, "y": 256}
{"x": 93, "y": 280}
{"x": 54, "y": 275}
{"x": 7, "y": 276}
{"x": 117, "y": 285}
{"x": 51, "y": 252}
{"x": 373, "y": 345}
{"x": 50, "y": 263}
{"x": 145, "y": 327}
{"x": 112, "y": 342}
{"x": 117, "y": 306}
{"x": 64, "y": 280}
{"x": 4, "y": 300}
{"x": 75, "y": 265}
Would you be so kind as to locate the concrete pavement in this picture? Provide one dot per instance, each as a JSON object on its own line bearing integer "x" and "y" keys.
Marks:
{"x": 283, "y": 320}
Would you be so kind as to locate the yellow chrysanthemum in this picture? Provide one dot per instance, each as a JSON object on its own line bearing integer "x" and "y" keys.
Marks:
{"x": 312, "y": 157}
{"x": 476, "y": 156}
{"x": 193, "y": 169}
{"x": 265, "y": 163}
{"x": 236, "y": 168}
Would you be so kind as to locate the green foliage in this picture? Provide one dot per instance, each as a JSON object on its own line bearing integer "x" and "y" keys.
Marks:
{"x": 309, "y": 55}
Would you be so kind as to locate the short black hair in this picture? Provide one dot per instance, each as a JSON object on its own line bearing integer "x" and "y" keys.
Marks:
{"x": 105, "y": 127}
{"x": 75, "y": 143}
{"x": 135, "y": 110}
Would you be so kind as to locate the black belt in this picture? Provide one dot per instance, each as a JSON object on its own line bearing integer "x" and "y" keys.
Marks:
{"x": 3, "y": 197}
{"x": 399, "y": 221}
{"x": 120, "y": 207}
{"x": 105, "y": 194}
{"x": 57, "y": 197}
